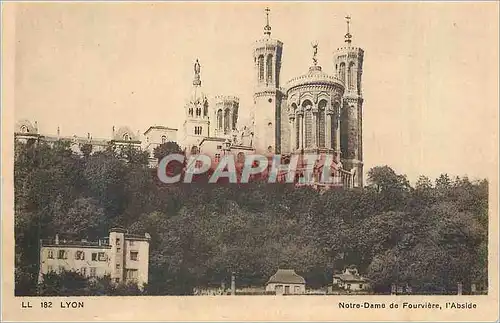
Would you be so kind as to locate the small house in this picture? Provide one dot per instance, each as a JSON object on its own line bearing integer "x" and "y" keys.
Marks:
{"x": 351, "y": 280}
{"x": 286, "y": 282}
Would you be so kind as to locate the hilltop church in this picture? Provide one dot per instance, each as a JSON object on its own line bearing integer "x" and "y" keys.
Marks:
{"x": 317, "y": 112}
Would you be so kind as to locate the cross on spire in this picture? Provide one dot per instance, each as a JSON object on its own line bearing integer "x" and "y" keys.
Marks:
{"x": 267, "y": 28}
{"x": 348, "y": 36}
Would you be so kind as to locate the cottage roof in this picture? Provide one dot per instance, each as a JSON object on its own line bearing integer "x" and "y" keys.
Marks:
{"x": 286, "y": 276}
{"x": 350, "y": 278}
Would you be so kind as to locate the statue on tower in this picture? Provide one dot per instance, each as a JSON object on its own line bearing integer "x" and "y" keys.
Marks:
{"x": 348, "y": 36}
{"x": 197, "y": 67}
{"x": 197, "y": 70}
{"x": 315, "y": 52}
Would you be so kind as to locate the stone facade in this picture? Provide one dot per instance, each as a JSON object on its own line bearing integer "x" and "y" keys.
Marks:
{"x": 316, "y": 112}
{"x": 123, "y": 256}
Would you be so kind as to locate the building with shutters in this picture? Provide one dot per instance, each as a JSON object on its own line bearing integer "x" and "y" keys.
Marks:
{"x": 122, "y": 256}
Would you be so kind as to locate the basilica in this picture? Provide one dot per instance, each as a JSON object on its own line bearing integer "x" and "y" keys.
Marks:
{"x": 314, "y": 113}
{"x": 318, "y": 112}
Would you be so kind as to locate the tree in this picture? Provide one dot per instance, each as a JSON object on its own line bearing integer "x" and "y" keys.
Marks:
{"x": 165, "y": 149}
{"x": 423, "y": 183}
{"x": 86, "y": 150}
{"x": 85, "y": 219}
{"x": 429, "y": 236}
{"x": 72, "y": 283}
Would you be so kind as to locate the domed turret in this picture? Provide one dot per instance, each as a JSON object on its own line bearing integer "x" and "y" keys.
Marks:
{"x": 315, "y": 76}
{"x": 313, "y": 102}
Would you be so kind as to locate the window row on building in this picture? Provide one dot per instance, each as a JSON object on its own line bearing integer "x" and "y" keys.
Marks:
{"x": 80, "y": 255}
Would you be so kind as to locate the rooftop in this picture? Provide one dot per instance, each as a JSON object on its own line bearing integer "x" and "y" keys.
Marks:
{"x": 160, "y": 127}
{"x": 286, "y": 276}
{"x": 350, "y": 278}
{"x": 314, "y": 76}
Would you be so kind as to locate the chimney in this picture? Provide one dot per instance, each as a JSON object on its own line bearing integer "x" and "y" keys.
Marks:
{"x": 57, "y": 239}
{"x": 233, "y": 284}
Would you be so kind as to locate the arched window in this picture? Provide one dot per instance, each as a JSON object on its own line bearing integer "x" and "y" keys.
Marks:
{"x": 219, "y": 119}
{"x": 260, "y": 63}
{"x": 205, "y": 109}
{"x": 344, "y": 131}
{"x": 297, "y": 133}
{"x": 24, "y": 129}
{"x": 198, "y": 111}
{"x": 342, "y": 71}
{"x": 163, "y": 139}
{"x": 295, "y": 144}
{"x": 269, "y": 68}
{"x": 126, "y": 136}
{"x": 350, "y": 76}
{"x": 335, "y": 124}
{"x": 321, "y": 123}
{"x": 307, "y": 123}
{"x": 226, "y": 121}
{"x": 190, "y": 112}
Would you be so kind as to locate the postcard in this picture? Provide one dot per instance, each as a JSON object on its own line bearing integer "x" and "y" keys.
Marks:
{"x": 250, "y": 161}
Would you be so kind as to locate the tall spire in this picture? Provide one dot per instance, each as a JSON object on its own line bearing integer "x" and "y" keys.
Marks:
{"x": 197, "y": 69}
{"x": 348, "y": 36}
{"x": 267, "y": 28}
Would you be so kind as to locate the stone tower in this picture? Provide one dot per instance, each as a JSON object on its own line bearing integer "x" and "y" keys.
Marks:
{"x": 349, "y": 68}
{"x": 267, "y": 95}
{"x": 197, "y": 122}
{"x": 225, "y": 115}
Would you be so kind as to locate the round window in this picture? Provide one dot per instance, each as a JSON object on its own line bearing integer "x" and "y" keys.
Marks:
{"x": 270, "y": 100}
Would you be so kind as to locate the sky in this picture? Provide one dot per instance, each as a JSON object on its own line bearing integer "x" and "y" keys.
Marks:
{"x": 430, "y": 73}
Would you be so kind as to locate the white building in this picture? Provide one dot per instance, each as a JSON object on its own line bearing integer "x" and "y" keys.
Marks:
{"x": 351, "y": 280}
{"x": 123, "y": 256}
{"x": 286, "y": 282}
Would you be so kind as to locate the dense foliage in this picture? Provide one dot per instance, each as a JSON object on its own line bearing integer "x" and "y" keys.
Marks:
{"x": 430, "y": 236}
